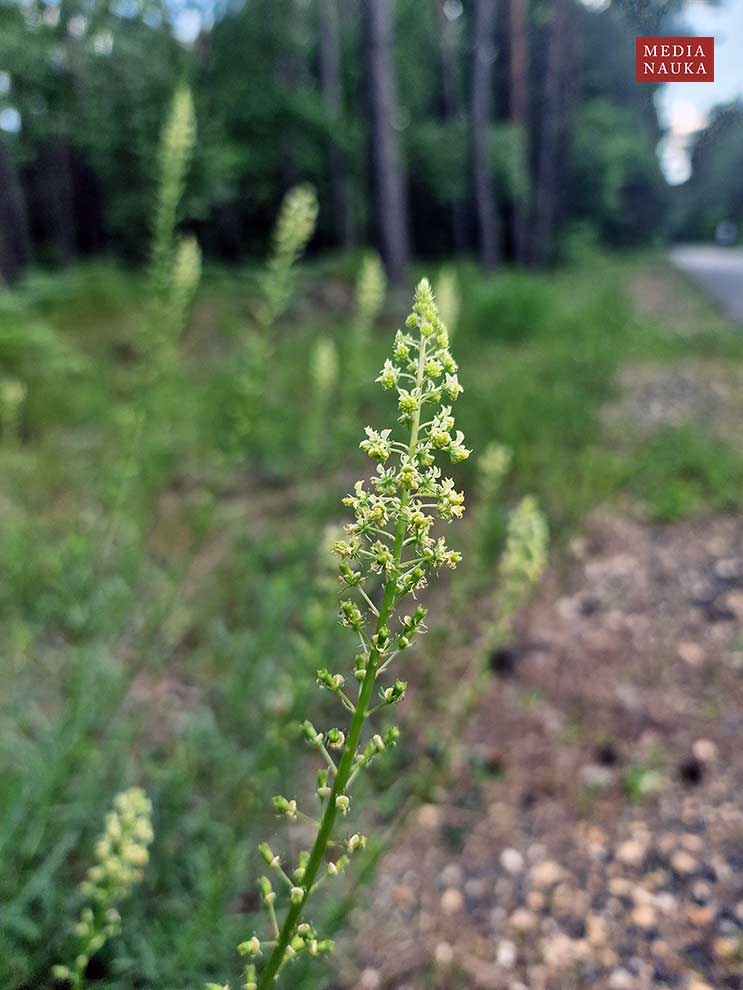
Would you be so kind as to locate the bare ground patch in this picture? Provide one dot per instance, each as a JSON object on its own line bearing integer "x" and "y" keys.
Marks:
{"x": 701, "y": 393}
{"x": 593, "y": 834}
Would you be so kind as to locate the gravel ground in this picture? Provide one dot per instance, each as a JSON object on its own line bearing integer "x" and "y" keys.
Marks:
{"x": 703, "y": 394}
{"x": 593, "y": 832}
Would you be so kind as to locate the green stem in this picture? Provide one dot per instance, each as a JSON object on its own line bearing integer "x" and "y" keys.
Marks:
{"x": 345, "y": 768}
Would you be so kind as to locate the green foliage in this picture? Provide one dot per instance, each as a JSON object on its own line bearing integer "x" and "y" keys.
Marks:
{"x": 712, "y": 194}
{"x": 34, "y": 355}
{"x": 247, "y": 408}
{"x": 54, "y": 582}
{"x": 90, "y": 86}
{"x": 617, "y": 184}
{"x": 641, "y": 783}
{"x": 98, "y": 94}
{"x": 438, "y": 159}
{"x": 181, "y": 658}
{"x": 53, "y": 778}
{"x": 683, "y": 471}
{"x": 509, "y": 162}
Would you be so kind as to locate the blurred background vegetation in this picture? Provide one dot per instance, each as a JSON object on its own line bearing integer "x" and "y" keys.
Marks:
{"x": 166, "y": 594}
{"x": 436, "y": 128}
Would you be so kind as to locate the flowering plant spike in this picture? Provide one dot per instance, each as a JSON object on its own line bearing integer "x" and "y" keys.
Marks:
{"x": 294, "y": 228}
{"x": 389, "y": 546}
{"x": 121, "y": 854}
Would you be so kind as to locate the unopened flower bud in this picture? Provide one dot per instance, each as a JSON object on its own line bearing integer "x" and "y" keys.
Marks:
{"x": 251, "y": 947}
{"x": 356, "y": 842}
{"x": 336, "y": 739}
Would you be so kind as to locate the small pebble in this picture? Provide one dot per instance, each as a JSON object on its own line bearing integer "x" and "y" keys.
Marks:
{"x": 691, "y": 842}
{"x": 512, "y": 861}
{"x": 452, "y": 900}
{"x": 684, "y": 863}
{"x": 506, "y": 955}
{"x": 547, "y": 874}
{"x": 705, "y": 750}
{"x": 596, "y": 930}
{"x": 443, "y": 954}
{"x": 644, "y": 916}
{"x": 632, "y": 853}
{"x": 452, "y": 875}
{"x": 691, "y": 653}
{"x": 475, "y": 888}
{"x": 523, "y": 920}
{"x": 726, "y": 949}
{"x": 429, "y": 816}
{"x": 535, "y": 900}
{"x": 562, "y": 952}
{"x": 621, "y": 887}
{"x": 701, "y": 917}
{"x": 595, "y": 777}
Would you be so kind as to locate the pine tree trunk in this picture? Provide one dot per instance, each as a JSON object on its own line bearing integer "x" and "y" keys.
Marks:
{"x": 520, "y": 116}
{"x": 332, "y": 93}
{"x": 15, "y": 240}
{"x": 53, "y": 172}
{"x": 548, "y": 174}
{"x": 384, "y": 147}
{"x": 482, "y": 103}
{"x": 292, "y": 75}
{"x": 451, "y": 108}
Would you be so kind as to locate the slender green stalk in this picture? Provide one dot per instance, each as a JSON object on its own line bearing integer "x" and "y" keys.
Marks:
{"x": 521, "y": 566}
{"x": 360, "y": 716}
{"x": 391, "y": 537}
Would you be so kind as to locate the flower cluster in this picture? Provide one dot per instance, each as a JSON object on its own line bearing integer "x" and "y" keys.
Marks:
{"x": 493, "y": 465}
{"x": 525, "y": 554}
{"x": 175, "y": 262}
{"x": 295, "y": 224}
{"x": 389, "y": 552}
{"x": 176, "y": 146}
{"x": 121, "y": 854}
{"x": 324, "y": 367}
{"x": 450, "y": 299}
{"x": 185, "y": 280}
{"x": 371, "y": 286}
{"x": 294, "y": 228}
{"x": 253, "y": 403}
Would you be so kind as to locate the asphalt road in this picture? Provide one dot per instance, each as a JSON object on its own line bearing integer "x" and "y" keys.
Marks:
{"x": 716, "y": 269}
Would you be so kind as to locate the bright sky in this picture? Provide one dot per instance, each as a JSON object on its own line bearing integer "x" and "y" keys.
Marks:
{"x": 684, "y": 107}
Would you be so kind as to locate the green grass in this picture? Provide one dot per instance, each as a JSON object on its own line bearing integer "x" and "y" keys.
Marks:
{"x": 168, "y": 636}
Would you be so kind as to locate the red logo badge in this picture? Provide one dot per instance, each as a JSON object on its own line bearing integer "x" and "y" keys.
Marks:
{"x": 674, "y": 59}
